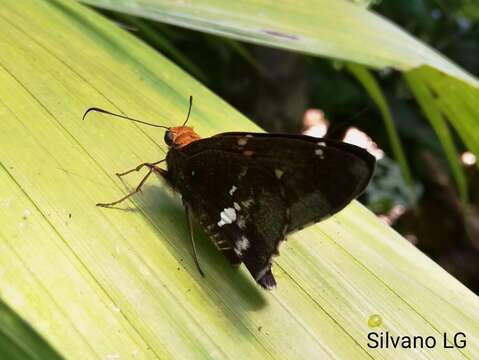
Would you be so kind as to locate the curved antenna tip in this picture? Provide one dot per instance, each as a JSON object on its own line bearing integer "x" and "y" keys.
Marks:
{"x": 88, "y": 110}
{"x": 121, "y": 116}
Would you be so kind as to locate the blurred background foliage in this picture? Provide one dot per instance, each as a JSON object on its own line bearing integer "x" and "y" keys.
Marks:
{"x": 276, "y": 89}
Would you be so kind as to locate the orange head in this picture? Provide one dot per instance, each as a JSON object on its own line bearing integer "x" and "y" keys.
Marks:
{"x": 180, "y": 136}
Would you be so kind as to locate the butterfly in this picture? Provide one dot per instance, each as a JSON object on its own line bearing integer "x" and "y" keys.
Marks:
{"x": 249, "y": 191}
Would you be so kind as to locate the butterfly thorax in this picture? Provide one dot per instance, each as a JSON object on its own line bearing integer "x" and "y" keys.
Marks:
{"x": 177, "y": 138}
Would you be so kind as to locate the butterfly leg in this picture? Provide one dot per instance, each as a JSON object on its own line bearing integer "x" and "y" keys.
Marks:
{"x": 138, "y": 168}
{"x": 152, "y": 169}
{"x": 189, "y": 219}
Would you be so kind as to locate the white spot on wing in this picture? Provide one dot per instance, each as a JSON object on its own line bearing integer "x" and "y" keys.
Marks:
{"x": 263, "y": 271}
{"x": 241, "y": 245}
{"x": 321, "y": 143}
{"x": 232, "y": 190}
{"x": 247, "y": 203}
{"x": 241, "y": 222}
{"x": 242, "y": 141}
{"x": 270, "y": 286}
{"x": 236, "y": 206}
{"x": 279, "y": 173}
{"x": 320, "y": 153}
{"x": 227, "y": 216}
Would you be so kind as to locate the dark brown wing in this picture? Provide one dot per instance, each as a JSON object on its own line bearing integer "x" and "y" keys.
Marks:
{"x": 250, "y": 190}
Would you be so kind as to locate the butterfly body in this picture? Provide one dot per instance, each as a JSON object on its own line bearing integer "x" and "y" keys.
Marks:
{"x": 250, "y": 190}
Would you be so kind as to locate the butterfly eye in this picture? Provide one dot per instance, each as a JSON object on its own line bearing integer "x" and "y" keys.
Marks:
{"x": 169, "y": 138}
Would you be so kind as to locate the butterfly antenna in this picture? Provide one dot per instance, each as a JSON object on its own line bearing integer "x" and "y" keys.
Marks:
{"x": 189, "y": 110}
{"x": 95, "y": 109}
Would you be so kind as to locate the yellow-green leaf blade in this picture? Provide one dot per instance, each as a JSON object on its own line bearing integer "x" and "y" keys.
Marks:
{"x": 338, "y": 29}
{"x": 373, "y": 89}
{"x": 428, "y": 106}
{"x": 106, "y": 283}
{"x": 455, "y": 99}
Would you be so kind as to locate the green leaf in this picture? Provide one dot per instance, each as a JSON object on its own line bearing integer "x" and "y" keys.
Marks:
{"x": 338, "y": 29}
{"x": 373, "y": 89}
{"x": 425, "y": 97}
{"x": 469, "y": 8}
{"x": 113, "y": 283}
{"x": 455, "y": 99}
{"x": 166, "y": 46}
{"x": 19, "y": 341}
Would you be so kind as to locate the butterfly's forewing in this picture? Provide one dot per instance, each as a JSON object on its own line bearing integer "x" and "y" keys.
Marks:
{"x": 250, "y": 190}
{"x": 321, "y": 176}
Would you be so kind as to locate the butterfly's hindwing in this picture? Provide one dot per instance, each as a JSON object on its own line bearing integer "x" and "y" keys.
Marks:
{"x": 250, "y": 190}
{"x": 237, "y": 203}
